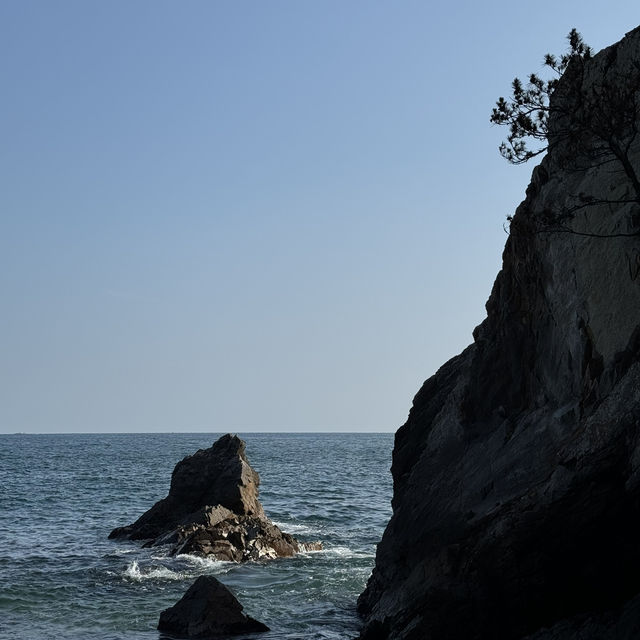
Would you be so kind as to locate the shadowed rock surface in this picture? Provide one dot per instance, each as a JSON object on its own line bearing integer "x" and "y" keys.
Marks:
{"x": 516, "y": 507}
{"x": 239, "y": 538}
{"x": 208, "y": 609}
{"x": 220, "y": 475}
{"x": 619, "y": 624}
{"x": 213, "y": 510}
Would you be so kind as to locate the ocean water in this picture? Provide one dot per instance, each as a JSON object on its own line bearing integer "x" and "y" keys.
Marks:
{"x": 60, "y": 496}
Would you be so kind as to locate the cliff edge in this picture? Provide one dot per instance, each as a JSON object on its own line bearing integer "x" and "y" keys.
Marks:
{"x": 516, "y": 506}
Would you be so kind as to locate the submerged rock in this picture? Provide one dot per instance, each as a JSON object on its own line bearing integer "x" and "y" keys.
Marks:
{"x": 208, "y": 609}
{"x": 213, "y": 510}
{"x": 516, "y": 506}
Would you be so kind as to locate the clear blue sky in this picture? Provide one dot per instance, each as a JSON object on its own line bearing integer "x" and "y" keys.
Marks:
{"x": 267, "y": 215}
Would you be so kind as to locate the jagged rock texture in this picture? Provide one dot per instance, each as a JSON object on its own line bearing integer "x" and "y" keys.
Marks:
{"x": 220, "y": 475}
{"x": 213, "y": 510}
{"x": 516, "y": 507}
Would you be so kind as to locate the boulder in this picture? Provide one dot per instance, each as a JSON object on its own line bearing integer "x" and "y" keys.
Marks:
{"x": 213, "y": 510}
{"x": 208, "y": 609}
{"x": 238, "y": 538}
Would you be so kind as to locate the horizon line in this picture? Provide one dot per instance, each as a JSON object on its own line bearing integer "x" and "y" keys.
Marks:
{"x": 120, "y": 433}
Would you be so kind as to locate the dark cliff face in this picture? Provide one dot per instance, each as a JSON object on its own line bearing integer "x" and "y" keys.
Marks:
{"x": 517, "y": 476}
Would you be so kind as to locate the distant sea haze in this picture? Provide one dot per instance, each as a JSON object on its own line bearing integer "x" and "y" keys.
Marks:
{"x": 60, "y": 495}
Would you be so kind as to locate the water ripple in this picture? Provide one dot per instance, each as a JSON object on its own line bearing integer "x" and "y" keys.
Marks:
{"x": 61, "y": 495}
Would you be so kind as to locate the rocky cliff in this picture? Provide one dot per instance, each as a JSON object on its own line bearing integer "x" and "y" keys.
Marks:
{"x": 516, "y": 507}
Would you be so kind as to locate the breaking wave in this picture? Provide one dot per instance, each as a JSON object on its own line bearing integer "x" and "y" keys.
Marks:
{"x": 288, "y": 527}
{"x": 207, "y": 564}
{"x": 135, "y": 573}
{"x": 345, "y": 552}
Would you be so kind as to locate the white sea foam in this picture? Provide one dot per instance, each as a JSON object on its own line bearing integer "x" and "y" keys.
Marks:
{"x": 220, "y": 566}
{"x": 296, "y": 528}
{"x": 345, "y": 552}
{"x": 305, "y": 552}
{"x": 135, "y": 573}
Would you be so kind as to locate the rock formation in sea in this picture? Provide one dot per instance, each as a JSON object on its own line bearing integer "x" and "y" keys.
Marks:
{"x": 213, "y": 510}
{"x": 516, "y": 505}
{"x": 208, "y": 609}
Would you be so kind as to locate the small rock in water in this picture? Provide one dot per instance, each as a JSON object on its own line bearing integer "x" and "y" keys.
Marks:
{"x": 208, "y": 609}
{"x": 220, "y": 476}
{"x": 213, "y": 510}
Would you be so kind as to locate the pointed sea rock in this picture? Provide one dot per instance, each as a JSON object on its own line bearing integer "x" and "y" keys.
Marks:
{"x": 213, "y": 510}
{"x": 219, "y": 477}
{"x": 208, "y": 609}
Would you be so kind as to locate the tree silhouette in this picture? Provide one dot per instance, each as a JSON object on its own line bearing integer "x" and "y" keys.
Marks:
{"x": 527, "y": 112}
{"x": 587, "y": 121}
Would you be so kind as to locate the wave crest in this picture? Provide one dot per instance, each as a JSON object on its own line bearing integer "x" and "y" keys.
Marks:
{"x": 135, "y": 573}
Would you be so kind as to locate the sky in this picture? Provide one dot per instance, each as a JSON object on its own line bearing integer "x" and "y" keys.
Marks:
{"x": 274, "y": 215}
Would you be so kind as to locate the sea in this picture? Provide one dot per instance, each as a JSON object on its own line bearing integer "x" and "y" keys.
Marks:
{"x": 61, "y": 495}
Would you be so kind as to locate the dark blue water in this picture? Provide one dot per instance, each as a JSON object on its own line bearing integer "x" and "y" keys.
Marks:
{"x": 60, "y": 496}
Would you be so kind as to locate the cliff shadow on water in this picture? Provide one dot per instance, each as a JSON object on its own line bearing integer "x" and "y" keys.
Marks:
{"x": 516, "y": 508}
